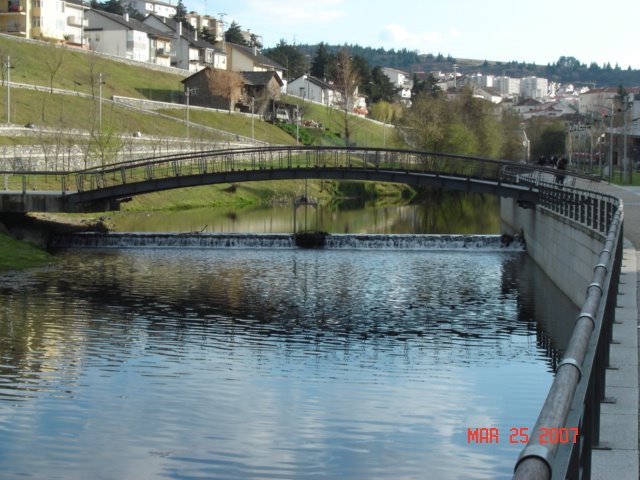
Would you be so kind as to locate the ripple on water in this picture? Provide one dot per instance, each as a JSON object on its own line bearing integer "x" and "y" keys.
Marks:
{"x": 264, "y": 364}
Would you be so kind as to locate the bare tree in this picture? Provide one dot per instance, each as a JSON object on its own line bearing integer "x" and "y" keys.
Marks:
{"x": 226, "y": 84}
{"x": 53, "y": 61}
{"x": 347, "y": 85}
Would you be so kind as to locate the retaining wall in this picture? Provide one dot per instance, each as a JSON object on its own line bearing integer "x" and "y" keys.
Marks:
{"x": 565, "y": 251}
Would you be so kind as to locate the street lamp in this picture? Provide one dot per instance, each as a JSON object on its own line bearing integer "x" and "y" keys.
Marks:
{"x": 9, "y": 67}
{"x": 100, "y": 82}
{"x": 253, "y": 101}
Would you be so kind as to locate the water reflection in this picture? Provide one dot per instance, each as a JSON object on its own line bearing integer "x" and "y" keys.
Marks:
{"x": 269, "y": 364}
{"x": 441, "y": 212}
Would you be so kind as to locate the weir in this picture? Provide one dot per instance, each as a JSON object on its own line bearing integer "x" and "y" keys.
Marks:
{"x": 271, "y": 241}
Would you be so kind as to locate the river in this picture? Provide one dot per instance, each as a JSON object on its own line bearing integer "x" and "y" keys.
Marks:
{"x": 274, "y": 363}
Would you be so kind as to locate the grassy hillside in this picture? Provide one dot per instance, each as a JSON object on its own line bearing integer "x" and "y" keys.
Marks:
{"x": 35, "y": 63}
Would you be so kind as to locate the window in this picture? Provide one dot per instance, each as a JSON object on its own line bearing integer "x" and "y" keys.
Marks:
{"x": 36, "y": 22}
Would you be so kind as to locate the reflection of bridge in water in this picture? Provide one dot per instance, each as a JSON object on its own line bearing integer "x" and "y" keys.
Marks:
{"x": 103, "y": 188}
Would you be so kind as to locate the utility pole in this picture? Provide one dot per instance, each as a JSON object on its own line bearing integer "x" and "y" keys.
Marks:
{"x": 187, "y": 92}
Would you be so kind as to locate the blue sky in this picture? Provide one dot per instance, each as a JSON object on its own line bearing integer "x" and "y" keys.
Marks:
{"x": 539, "y": 31}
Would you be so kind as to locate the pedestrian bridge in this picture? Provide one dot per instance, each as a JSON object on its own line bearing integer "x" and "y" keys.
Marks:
{"x": 103, "y": 188}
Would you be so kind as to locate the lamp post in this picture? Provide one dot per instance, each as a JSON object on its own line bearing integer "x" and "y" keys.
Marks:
{"x": 8, "y": 65}
{"x": 253, "y": 101}
{"x": 100, "y": 101}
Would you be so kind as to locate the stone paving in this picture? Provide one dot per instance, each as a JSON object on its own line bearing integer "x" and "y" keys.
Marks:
{"x": 617, "y": 455}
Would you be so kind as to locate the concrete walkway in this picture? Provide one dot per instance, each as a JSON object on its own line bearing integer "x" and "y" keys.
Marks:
{"x": 618, "y": 453}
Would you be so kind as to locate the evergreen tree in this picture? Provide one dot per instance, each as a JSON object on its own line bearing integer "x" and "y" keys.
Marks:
{"x": 181, "y": 13}
{"x": 234, "y": 35}
{"x": 321, "y": 63}
{"x": 207, "y": 34}
{"x": 114, "y": 6}
{"x": 288, "y": 56}
{"x": 380, "y": 88}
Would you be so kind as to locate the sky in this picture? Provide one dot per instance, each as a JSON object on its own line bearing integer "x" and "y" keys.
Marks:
{"x": 534, "y": 32}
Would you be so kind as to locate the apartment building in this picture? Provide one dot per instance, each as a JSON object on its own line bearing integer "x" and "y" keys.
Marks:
{"x": 534, "y": 87}
{"x": 507, "y": 86}
{"x": 161, "y": 9}
{"x": 199, "y": 22}
{"x": 47, "y": 19}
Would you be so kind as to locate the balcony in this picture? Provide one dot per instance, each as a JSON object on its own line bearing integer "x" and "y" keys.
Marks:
{"x": 74, "y": 21}
{"x": 12, "y": 7}
{"x": 163, "y": 52}
{"x": 15, "y": 28}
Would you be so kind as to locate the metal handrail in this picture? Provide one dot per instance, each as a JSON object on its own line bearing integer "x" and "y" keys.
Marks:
{"x": 226, "y": 160}
{"x": 573, "y": 401}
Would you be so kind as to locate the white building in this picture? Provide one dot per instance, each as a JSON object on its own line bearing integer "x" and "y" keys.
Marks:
{"x": 534, "y": 87}
{"x": 401, "y": 81}
{"x": 482, "y": 81}
{"x": 507, "y": 86}
{"x": 127, "y": 37}
{"x": 49, "y": 19}
{"x": 162, "y": 9}
{"x": 188, "y": 51}
{"x": 313, "y": 89}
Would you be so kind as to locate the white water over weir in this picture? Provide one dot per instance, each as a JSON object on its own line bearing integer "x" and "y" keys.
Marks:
{"x": 271, "y": 241}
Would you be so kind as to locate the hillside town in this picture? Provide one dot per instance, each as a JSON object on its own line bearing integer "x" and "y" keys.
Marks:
{"x": 239, "y": 76}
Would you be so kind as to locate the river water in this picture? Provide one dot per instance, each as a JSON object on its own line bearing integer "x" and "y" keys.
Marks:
{"x": 273, "y": 363}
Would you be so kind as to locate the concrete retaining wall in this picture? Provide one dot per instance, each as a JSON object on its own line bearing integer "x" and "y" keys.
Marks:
{"x": 565, "y": 251}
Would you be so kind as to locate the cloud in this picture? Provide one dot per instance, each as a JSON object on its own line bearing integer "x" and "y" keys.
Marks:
{"x": 398, "y": 36}
{"x": 290, "y": 12}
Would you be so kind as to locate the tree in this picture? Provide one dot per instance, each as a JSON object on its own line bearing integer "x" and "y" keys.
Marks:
{"x": 207, "y": 34}
{"x": 290, "y": 56}
{"x": 380, "y": 87}
{"x": 234, "y": 35}
{"x": 226, "y": 84}
{"x": 321, "y": 63}
{"x": 346, "y": 82}
{"x": 386, "y": 112}
{"x": 428, "y": 86}
{"x": 181, "y": 13}
{"x": 53, "y": 61}
{"x": 113, "y": 6}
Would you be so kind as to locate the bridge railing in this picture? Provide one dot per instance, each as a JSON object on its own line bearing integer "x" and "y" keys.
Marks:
{"x": 218, "y": 161}
{"x": 568, "y": 426}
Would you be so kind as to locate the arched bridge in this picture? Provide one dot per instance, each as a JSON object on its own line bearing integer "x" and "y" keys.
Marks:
{"x": 102, "y": 188}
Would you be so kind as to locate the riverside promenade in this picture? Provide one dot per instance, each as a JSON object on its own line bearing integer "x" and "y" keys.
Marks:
{"x": 617, "y": 456}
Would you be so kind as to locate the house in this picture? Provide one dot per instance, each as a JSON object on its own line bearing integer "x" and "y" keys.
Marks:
{"x": 313, "y": 89}
{"x": 190, "y": 52}
{"x": 161, "y": 9}
{"x": 259, "y": 89}
{"x": 249, "y": 59}
{"x": 51, "y": 19}
{"x": 488, "y": 94}
{"x": 401, "y": 81}
{"x": 127, "y": 37}
{"x": 254, "y": 92}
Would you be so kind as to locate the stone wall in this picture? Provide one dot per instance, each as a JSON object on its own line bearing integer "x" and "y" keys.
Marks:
{"x": 567, "y": 252}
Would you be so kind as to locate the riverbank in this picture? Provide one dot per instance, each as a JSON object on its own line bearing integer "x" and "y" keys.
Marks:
{"x": 19, "y": 255}
{"x": 24, "y": 238}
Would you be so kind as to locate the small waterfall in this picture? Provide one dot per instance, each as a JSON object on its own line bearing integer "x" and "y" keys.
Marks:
{"x": 274, "y": 240}
{"x": 425, "y": 242}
